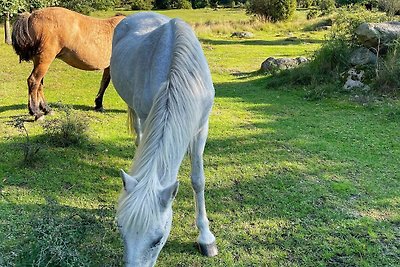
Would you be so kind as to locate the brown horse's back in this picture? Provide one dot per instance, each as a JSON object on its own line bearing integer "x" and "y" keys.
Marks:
{"x": 81, "y": 41}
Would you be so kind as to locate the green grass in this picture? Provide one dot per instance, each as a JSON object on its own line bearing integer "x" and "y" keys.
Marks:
{"x": 290, "y": 182}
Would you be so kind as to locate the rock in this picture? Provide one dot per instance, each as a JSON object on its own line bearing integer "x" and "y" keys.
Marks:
{"x": 372, "y": 35}
{"x": 354, "y": 80}
{"x": 273, "y": 64}
{"x": 362, "y": 56}
{"x": 242, "y": 34}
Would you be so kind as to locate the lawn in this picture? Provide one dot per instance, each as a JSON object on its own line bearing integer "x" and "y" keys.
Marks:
{"x": 290, "y": 182}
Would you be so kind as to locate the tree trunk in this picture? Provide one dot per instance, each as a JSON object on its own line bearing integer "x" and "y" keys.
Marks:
{"x": 7, "y": 29}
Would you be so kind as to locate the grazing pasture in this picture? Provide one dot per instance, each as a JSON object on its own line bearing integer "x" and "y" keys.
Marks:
{"x": 289, "y": 182}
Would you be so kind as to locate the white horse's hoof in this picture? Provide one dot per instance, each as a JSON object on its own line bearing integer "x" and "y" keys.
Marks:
{"x": 209, "y": 250}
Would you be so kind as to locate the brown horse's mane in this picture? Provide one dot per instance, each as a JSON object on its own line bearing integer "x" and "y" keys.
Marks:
{"x": 24, "y": 45}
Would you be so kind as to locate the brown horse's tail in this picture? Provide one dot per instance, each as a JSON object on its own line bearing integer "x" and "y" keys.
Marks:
{"x": 24, "y": 45}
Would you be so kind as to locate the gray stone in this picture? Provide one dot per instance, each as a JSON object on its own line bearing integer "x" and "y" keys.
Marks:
{"x": 362, "y": 56}
{"x": 354, "y": 80}
{"x": 273, "y": 64}
{"x": 378, "y": 35}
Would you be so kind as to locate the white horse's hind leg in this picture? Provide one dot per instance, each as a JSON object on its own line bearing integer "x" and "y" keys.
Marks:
{"x": 206, "y": 239}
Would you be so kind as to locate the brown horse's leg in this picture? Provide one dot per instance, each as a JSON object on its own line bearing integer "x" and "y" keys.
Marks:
{"x": 40, "y": 68}
{"x": 42, "y": 101}
{"x": 105, "y": 80}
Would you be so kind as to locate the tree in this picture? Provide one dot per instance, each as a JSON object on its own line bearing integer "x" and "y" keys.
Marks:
{"x": 9, "y": 8}
{"x": 272, "y": 10}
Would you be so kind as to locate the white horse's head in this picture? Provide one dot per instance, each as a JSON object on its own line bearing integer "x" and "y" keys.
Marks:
{"x": 144, "y": 218}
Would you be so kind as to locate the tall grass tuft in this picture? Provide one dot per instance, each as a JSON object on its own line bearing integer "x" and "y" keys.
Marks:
{"x": 70, "y": 129}
{"x": 387, "y": 79}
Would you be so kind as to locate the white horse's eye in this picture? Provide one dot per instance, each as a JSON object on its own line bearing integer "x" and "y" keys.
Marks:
{"x": 156, "y": 242}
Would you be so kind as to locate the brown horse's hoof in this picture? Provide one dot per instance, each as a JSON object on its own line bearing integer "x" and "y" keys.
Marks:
{"x": 209, "y": 250}
{"x": 39, "y": 117}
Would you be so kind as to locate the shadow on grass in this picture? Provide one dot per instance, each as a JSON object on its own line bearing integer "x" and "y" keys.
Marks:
{"x": 90, "y": 108}
{"x": 286, "y": 41}
{"x": 276, "y": 199}
{"x": 13, "y": 107}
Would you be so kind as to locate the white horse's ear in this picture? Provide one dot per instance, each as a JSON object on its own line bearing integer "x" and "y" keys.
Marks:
{"x": 168, "y": 194}
{"x": 128, "y": 181}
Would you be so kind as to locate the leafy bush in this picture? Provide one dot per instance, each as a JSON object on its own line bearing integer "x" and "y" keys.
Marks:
{"x": 85, "y": 7}
{"x": 272, "y": 10}
{"x": 200, "y": 3}
{"x": 312, "y": 14}
{"x": 142, "y": 4}
{"x": 69, "y": 129}
{"x": 304, "y": 3}
{"x": 326, "y": 6}
{"x": 172, "y": 4}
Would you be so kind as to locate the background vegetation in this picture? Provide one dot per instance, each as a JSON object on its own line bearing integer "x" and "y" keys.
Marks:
{"x": 292, "y": 179}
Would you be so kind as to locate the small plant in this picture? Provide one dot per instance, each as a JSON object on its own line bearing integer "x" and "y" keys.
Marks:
{"x": 69, "y": 129}
{"x": 29, "y": 149}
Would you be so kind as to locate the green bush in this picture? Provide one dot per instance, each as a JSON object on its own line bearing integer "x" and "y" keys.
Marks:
{"x": 304, "y": 3}
{"x": 272, "y": 10}
{"x": 172, "y": 4}
{"x": 69, "y": 129}
{"x": 142, "y": 4}
{"x": 200, "y": 3}
{"x": 312, "y": 14}
{"x": 85, "y": 7}
{"x": 326, "y": 6}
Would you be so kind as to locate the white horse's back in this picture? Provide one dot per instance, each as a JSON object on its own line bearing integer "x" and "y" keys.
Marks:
{"x": 143, "y": 47}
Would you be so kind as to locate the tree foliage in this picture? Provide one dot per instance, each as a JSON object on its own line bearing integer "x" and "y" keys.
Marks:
{"x": 272, "y": 10}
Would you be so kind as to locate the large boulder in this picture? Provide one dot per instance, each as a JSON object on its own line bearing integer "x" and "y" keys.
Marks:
{"x": 378, "y": 35}
{"x": 272, "y": 64}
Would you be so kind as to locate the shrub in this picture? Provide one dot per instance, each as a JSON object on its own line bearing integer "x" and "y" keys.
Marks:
{"x": 327, "y": 6}
{"x": 69, "y": 129}
{"x": 304, "y": 3}
{"x": 172, "y": 4}
{"x": 312, "y": 14}
{"x": 85, "y": 7}
{"x": 199, "y": 3}
{"x": 142, "y": 4}
{"x": 272, "y": 10}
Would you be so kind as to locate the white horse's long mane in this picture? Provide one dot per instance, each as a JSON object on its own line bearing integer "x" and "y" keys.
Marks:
{"x": 174, "y": 119}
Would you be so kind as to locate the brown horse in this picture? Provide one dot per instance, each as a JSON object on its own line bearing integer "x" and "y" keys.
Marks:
{"x": 81, "y": 41}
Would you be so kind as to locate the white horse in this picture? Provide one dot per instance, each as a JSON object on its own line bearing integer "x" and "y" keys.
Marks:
{"x": 159, "y": 70}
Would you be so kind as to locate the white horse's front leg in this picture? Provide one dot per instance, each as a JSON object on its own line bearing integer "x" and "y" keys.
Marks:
{"x": 206, "y": 239}
{"x": 138, "y": 126}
